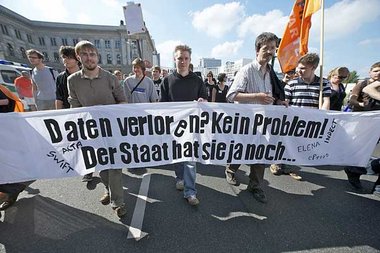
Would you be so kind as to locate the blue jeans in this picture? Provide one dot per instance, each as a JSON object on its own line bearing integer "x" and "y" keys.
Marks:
{"x": 187, "y": 171}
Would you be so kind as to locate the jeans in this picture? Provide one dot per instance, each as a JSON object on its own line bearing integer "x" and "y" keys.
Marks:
{"x": 256, "y": 175}
{"x": 113, "y": 181}
{"x": 45, "y": 104}
{"x": 187, "y": 171}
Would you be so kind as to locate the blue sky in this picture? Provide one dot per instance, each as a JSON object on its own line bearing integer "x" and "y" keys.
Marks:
{"x": 227, "y": 29}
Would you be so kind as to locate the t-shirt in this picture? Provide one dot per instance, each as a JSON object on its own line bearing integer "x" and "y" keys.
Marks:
{"x": 302, "y": 94}
{"x": 45, "y": 83}
{"x": 144, "y": 93}
{"x": 24, "y": 87}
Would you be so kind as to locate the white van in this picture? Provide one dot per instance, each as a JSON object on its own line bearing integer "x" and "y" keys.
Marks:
{"x": 7, "y": 77}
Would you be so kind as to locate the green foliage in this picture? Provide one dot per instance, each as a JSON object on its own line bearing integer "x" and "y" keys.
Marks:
{"x": 353, "y": 77}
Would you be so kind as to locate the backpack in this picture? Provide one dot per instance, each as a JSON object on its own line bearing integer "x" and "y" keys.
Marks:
{"x": 51, "y": 71}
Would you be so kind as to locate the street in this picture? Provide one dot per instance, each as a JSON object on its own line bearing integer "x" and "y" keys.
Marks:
{"x": 321, "y": 213}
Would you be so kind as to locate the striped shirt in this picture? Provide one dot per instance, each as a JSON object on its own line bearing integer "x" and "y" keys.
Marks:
{"x": 250, "y": 79}
{"x": 301, "y": 94}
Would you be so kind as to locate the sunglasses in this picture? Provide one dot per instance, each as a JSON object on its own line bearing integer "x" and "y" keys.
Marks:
{"x": 342, "y": 77}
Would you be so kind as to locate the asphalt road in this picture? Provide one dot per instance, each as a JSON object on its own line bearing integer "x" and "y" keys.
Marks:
{"x": 319, "y": 214}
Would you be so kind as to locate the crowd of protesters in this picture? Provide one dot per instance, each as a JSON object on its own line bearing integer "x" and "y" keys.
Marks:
{"x": 255, "y": 83}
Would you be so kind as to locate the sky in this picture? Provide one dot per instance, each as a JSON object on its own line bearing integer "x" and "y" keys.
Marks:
{"x": 227, "y": 30}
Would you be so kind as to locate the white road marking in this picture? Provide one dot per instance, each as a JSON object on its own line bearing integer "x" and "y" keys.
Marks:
{"x": 240, "y": 214}
{"x": 138, "y": 214}
{"x": 147, "y": 199}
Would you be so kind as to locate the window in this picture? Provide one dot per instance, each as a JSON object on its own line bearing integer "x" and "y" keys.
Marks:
{"x": 97, "y": 43}
{"x": 117, "y": 44}
{"x": 42, "y": 41}
{"x": 118, "y": 59}
{"x": 56, "y": 57}
{"x": 64, "y": 42}
{"x": 53, "y": 42}
{"x": 30, "y": 39}
{"x": 109, "y": 59}
{"x": 18, "y": 34}
{"x": 4, "y": 29}
{"x": 23, "y": 52}
{"x": 11, "y": 51}
{"x": 46, "y": 56}
{"x": 107, "y": 44}
{"x": 100, "y": 58}
{"x": 9, "y": 76}
{"x": 75, "y": 41}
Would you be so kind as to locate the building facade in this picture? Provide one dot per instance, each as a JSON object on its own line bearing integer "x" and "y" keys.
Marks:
{"x": 116, "y": 48}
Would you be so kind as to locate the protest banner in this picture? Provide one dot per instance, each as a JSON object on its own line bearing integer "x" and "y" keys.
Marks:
{"x": 64, "y": 143}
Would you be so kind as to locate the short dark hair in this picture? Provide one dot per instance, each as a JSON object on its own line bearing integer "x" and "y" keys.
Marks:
{"x": 182, "y": 48}
{"x": 68, "y": 51}
{"x": 34, "y": 51}
{"x": 139, "y": 62}
{"x": 375, "y": 65}
{"x": 264, "y": 38}
{"x": 311, "y": 59}
{"x": 157, "y": 68}
{"x": 84, "y": 44}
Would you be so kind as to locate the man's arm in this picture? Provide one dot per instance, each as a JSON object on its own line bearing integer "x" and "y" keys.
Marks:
{"x": 373, "y": 90}
{"x": 164, "y": 91}
{"x": 355, "y": 95}
{"x": 261, "y": 98}
{"x": 153, "y": 93}
{"x": 34, "y": 89}
{"x": 325, "y": 103}
{"x": 73, "y": 98}
{"x": 118, "y": 91}
{"x": 59, "y": 93}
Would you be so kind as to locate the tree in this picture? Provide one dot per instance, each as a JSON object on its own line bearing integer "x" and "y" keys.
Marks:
{"x": 353, "y": 77}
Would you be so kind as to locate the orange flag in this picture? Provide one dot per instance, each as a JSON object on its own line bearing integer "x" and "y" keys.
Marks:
{"x": 19, "y": 106}
{"x": 296, "y": 35}
{"x": 311, "y": 6}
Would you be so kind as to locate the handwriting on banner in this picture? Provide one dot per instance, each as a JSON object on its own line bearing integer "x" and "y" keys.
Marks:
{"x": 213, "y": 123}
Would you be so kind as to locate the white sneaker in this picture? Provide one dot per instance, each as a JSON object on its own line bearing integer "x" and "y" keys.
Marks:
{"x": 192, "y": 200}
{"x": 180, "y": 185}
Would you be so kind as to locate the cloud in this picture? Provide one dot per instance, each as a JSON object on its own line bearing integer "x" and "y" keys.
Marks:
{"x": 273, "y": 21}
{"x": 111, "y": 3}
{"x": 369, "y": 41}
{"x": 345, "y": 18}
{"x": 218, "y": 19}
{"x": 166, "y": 49}
{"x": 45, "y": 8}
{"x": 83, "y": 18}
{"x": 227, "y": 49}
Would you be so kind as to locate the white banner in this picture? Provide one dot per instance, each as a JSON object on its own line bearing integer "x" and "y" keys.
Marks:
{"x": 63, "y": 143}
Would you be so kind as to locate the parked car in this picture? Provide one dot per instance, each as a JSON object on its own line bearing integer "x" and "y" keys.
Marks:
{"x": 8, "y": 75}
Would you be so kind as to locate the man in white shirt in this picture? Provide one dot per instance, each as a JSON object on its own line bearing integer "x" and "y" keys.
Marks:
{"x": 256, "y": 83}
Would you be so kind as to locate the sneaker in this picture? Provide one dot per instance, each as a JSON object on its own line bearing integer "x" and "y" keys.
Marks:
{"x": 192, "y": 200}
{"x": 275, "y": 169}
{"x": 120, "y": 211}
{"x": 180, "y": 185}
{"x": 230, "y": 177}
{"x": 3, "y": 197}
{"x": 6, "y": 204}
{"x": 258, "y": 194}
{"x": 87, "y": 178}
{"x": 354, "y": 180}
{"x": 105, "y": 199}
{"x": 295, "y": 176}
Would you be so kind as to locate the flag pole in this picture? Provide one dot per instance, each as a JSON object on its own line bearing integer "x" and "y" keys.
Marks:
{"x": 321, "y": 54}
